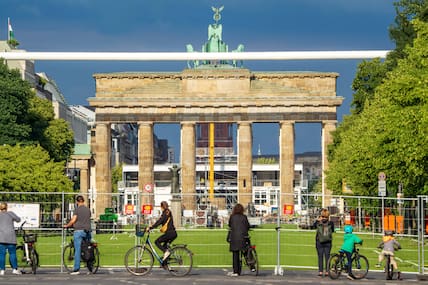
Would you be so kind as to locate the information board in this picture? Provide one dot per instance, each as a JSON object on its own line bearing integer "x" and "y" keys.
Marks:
{"x": 27, "y": 212}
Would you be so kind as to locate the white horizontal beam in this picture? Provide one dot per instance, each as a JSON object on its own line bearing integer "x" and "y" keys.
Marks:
{"x": 180, "y": 56}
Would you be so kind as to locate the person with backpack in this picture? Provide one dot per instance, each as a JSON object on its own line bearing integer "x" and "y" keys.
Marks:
{"x": 323, "y": 240}
{"x": 81, "y": 221}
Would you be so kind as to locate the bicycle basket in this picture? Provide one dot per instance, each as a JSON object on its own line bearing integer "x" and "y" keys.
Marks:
{"x": 30, "y": 238}
{"x": 140, "y": 230}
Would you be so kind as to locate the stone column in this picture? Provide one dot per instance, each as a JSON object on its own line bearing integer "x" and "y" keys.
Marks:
{"x": 245, "y": 163}
{"x": 327, "y": 128}
{"x": 102, "y": 151}
{"x": 286, "y": 163}
{"x": 145, "y": 163}
{"x": 84, "y": 181}
{"x": 188, "y": 165}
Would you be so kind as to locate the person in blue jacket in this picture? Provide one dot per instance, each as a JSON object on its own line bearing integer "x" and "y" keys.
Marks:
{"x": 348, "y": 247}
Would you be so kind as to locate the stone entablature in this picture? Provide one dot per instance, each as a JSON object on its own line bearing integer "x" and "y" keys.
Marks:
{"x": 216, "y": 95}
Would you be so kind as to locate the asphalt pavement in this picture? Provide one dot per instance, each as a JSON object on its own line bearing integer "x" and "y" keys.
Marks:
{"x": 117, "y": 276}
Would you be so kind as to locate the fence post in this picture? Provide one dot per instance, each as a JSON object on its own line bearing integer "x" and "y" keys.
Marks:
{"x": 62, "y": 229}
{"x": 278, "y": 268}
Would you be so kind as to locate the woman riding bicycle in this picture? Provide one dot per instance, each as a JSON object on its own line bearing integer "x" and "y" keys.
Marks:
{"x": 168, "y": 229}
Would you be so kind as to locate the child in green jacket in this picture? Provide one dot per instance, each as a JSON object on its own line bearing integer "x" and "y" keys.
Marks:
{"x": 348, "y": 247}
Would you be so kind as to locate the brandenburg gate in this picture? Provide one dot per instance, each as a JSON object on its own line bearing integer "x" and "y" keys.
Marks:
{"x": 209, "y": 92}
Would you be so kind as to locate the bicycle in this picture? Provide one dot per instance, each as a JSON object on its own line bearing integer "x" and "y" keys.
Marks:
{"x": 338, "y": 263}
{"x": 389, "y": 268}
{"x": 26, "y": 251}
{"x": 249, "y": 256}
{"x": 139, "y": 259}
{"x": 68, "y": 257}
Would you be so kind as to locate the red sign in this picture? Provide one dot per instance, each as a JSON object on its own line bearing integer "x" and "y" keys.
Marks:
{"x": 288, "y": 209}
{"x": 129, "y": 209}
{"x": 146, "y": 209}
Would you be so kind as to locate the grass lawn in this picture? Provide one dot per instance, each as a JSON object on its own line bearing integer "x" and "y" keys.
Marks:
{"x": 211, "y": 250}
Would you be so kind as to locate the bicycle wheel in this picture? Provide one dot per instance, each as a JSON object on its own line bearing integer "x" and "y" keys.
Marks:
{"x": 360, "y": 266}
{"x": 180, "y": 261}
{"x": 68, "y": 257}
{"x": 139, "y": 260}
{"x": 388, "y": 268}
{"x": 94, "y": 264}
{"x": 20, "y": 256}
{"x": 252, "y": 261}
{"x": 34, "y": 257}
{"x": 334, "y": 264}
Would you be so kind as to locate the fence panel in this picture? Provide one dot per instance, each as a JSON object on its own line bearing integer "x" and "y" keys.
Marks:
{"x": 204, "y": 227}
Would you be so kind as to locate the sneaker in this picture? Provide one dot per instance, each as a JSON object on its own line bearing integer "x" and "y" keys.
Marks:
{"x": 232, "y": 274}
{"x": 166, "y": 254}
{"x": 378, "y": 265}
{"x": 253, "y": 269}
{"x": 16, "y": 272}
{"x": 350, "y": 277}
{"x": 1, "y": 272}
{"x": 76, "y": 272}
{"x": 399, "y": 277}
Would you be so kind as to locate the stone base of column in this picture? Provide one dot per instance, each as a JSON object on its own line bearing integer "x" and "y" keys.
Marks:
{"x": 176, "y": 211}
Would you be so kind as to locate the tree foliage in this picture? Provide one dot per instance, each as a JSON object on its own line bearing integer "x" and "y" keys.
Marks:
{"x": 15, "y": 94}
{"x": 28, "y": 119}
{"x": 391, "y": 133}
{"x": 30, "y": 169}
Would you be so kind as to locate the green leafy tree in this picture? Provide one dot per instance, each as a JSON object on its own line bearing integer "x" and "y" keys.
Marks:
{"x": 391, "y": 133}
{"x": 30, "y": 169}
{"x": 58, "y": 140}
{"x": 15, "y": 94}
{"x": 116, "y": 176}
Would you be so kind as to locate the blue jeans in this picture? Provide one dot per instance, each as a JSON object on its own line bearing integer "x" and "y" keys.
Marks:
{"x": 349, "y": 258}
{"x": 78, "y": 236}
{"x": 11, "y": 248}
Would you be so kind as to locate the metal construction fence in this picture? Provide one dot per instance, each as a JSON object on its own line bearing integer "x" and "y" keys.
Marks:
{"x": 283, "y": 234}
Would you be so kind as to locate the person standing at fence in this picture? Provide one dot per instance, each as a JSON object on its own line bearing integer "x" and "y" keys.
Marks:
{"x": 168, "y": 230}
{"x": 238, "y": 227}
{"x": 81, "y": 221}
{"x": 8, "y": 239}
{"x": 323, "y": 240}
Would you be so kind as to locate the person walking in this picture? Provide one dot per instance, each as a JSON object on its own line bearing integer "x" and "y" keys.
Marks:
{"x": 167, "y": 228}
{"x": 81, "y": 221}
{"x": 238, "y": 227}
{"x": 323, "y": 240}
{"x": 8, "y": 239}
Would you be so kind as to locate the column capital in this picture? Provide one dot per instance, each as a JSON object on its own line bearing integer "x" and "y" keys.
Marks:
{"x": 144, "y": 123}
{"x": 244, "y": 123}
{"x": 329, "y": 122}
{"x": 188, "y": 123}
{"x": 287, "y": 122}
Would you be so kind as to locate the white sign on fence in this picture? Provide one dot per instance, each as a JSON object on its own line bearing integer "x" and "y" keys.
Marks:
{"x": 27, "y": 212}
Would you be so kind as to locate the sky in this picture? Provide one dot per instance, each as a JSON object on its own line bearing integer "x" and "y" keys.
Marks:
{"x": 168, "y": 25}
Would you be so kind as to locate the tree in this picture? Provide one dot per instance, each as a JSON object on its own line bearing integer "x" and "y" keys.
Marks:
{"x": 15, "y": 94}
{"x": 391, "y": 133}
{"x": 370, "y": 74}
{"x": 116, "y": 176}
{"x": 30, "y": 169}
{"x": 28, "y": 119}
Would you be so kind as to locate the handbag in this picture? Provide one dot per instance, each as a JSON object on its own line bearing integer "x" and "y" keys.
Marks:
{"x": 165, "y": 226}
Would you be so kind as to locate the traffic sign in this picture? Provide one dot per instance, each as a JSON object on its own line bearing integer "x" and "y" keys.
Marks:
{"x": 148, "y": 187}
{"x": 382, "y": 188}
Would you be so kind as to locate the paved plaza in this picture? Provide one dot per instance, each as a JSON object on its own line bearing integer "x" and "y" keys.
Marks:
{"x": 116, "y": 276}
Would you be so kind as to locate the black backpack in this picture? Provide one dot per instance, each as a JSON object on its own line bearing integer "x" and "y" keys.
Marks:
{"x": 87, "y": 251}
{"x": 324, "y": 232}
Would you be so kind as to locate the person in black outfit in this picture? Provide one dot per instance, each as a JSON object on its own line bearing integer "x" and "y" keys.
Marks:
{"x": 239, "y": 226}
{"x": 323, "y": 248}
{"x": 169, "y": 235}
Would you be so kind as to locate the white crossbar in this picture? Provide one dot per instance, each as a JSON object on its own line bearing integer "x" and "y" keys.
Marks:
{"x": 180, "y": 56}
